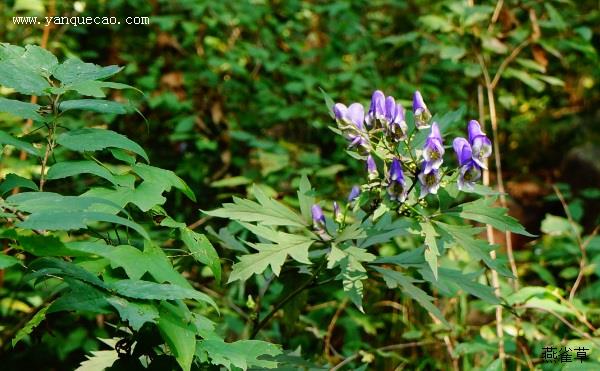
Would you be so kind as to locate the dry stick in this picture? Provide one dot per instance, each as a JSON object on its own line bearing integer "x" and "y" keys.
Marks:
{"x": 331, "y": 326}
{"x": 495, "y": 280}
{"x": 496, "y": 14}
{"x": 582, "y": 262}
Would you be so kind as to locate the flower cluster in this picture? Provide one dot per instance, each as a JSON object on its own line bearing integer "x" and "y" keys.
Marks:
{"x": 471, "y": 155}
{"x": 382, "y": 134}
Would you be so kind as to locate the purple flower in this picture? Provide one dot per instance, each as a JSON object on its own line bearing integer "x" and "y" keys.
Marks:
{"x": 396, "y": 188}
{"x": 354, "y": 193}
{"x": 352, "y": 119}
{"x": 480, "y": 144}
{"x": 463, "y": 150}
{"x": 318, "y": 217}
{"x": 377, "y": 108}
{"x": 430, "y": 182}
{"x": 469, "y": 174}
{"x": 422, "y": 114}
{"x": 371, "y": 168}
{"x": 471, "y": 155}
{"x": 396, "y": 123}
{"x": 433, "y": 151}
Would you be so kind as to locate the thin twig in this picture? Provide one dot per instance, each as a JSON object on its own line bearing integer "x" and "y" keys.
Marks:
{"x": 331, "y": 326}
{"x": 573, "y": 225}
{"x": 496, "y": 14}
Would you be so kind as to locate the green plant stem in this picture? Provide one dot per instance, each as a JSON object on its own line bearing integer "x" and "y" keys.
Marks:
{"x": 285, "y": 300}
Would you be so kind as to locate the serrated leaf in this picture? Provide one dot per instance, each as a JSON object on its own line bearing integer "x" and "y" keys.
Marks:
{"x": 202, "y": 250}
{"x": 73, "y": 70}
{"x": 477, "y": 249}
{"x": 95, "y": 105}
{"x": 484, "y": 211}
{"x": 29, "y": 326}
{"x": 305, "y": 198}
{"x": 241, "y": 354}
{"x": 70, "y": 168}
{"x": 394, "y": 279}
{"x": 136, "y": 313}
{"x": 91, "y": 139}
{"x": 81, "y": 297}
{"x": 352, "y": 271}
{"x": 140, "y": 289}
{"x": 431, "y": 251}
{"x": 8, "y": 261}
{"x": 179, "y": 335}
{"x": 13, "y": 181}
{"x": 266, "y": 211}
{"x": 21, "y": 109}
{"x": 273, "y": 255}
{"x": 25, "y": 81}
{"x": 8, "y": 139}
{"x": 165, "y": 179}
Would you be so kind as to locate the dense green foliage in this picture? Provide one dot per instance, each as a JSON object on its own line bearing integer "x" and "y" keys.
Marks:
{"x": 117, "y": 183}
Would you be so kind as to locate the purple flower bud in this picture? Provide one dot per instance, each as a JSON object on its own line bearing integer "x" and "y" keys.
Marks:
{"x": 433, "y": 151}
{"x": 430, "y": 182}
{"x": 371, "y": 167}
{"x": 463, "y": 150}
{"x": 422, "y": 114}
{"x": 354, "y": 193}
{"x": 377, "y": 108}
{"x": 396, "y": 173}
{"x": 396, "y": 188}
{"x": 318, "y": 217}
{"x": 337, "y": 214}
{"x": 469, "y": 174}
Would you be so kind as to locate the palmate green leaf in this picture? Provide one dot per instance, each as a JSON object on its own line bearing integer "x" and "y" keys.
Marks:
{"x": 73, "y": 70}
{"x": 140, "y": 289}
{"x": 305, "y": 198}
{"x": 164, "y": 179}
{"x": 134, "y": 312}
{"x": 351, "y": 232}
{"x": 145, "y": 196}
{"x": 33, "y": 202}
{"x": 7, "y": 139}
{"x": 352, "y": 271}
{"x": 273, "y": 255}
{"x": 384, "y": 230}
{"x": 477, "y": 249}
{"x": 12, "y": 181}
{"x": 202, "y": 250}
{"x": 431, "y": 250}
{"x": 30, "y": 325}
{"x": 92, "y": 139}
{"x": 70, "y": 168}
{"x": 240, "y": 354}
{"x": 266, "y": 211}
{"x": 21, "y": 109}
{"x": 95, "y": 105}
{"x": 394, "y": 279}
{"x": 484, "y": 211}
{"x": 179, "y": 335}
